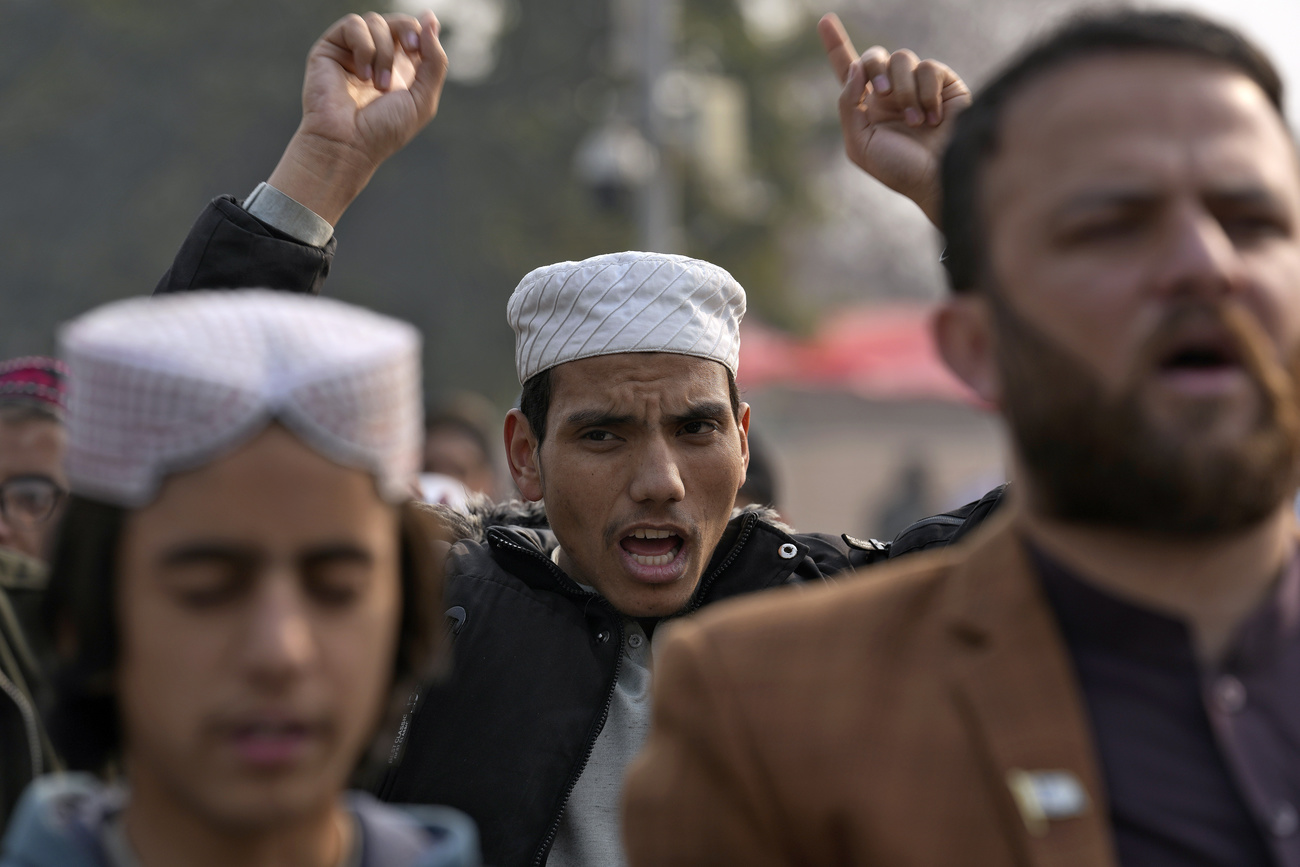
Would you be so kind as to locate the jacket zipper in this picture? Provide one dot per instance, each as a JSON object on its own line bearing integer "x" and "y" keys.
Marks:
{"x": 543, "y": 850}
{"x": 745, "y": 531}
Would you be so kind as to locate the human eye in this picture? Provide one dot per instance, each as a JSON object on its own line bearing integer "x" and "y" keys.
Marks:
{"x": 203, "y": 576}
{"x": 336, "y": 586}
{"x": 337, "y": 581}
{"x": 601, "y": 437}
{"x": 1254, "y": 225}
{"x": 31, "y": 499}
{"x": 699, "y": 426}
{"x": 206, "y": 586}
{"x": 1101, "y": 228}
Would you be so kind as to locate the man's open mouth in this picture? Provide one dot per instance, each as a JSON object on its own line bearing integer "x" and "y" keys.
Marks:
{"x": 1204, "y": 354}
{"x": 649, "y": 547}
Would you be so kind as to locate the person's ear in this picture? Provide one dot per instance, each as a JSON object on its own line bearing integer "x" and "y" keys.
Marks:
{"x": 522, "y": 455}
{"x": 963, "y": 332}
{"x": 742, "y": 424}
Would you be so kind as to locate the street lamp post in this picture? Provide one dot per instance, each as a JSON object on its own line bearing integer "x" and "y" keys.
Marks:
{"x": 659, "y": 198}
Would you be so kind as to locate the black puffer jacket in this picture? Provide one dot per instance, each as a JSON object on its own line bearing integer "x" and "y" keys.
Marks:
{"x": 507, "y": 734}
{"x": 938, "y": 531}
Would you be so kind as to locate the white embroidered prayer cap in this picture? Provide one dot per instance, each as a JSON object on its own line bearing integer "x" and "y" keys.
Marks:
{"x": 162, "y": 385}
{"x": 625, "y": 302}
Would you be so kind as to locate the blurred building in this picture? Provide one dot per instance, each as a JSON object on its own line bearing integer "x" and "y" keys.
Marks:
{"x": 864, "y": 424}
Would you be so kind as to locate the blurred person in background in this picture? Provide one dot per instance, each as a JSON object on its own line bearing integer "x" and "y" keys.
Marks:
{"x": 630, "y": 430}
{"x": 1106, "y": 673}
{"x": 239, "y": 590}
{"x": 760, "y": 487}
{"x": 456, "y": 446}
{"x": 908, "y": 499}
{"x": 32, "y": 490}
{"x": 32, "y": 483}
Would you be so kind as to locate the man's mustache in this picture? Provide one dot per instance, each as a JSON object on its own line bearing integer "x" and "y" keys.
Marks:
{"x": 1246, "y": 344}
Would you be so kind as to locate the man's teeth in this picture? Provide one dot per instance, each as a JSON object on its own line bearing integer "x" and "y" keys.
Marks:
{"x": 657, "y": 560}
{"x": 643, "y": 533}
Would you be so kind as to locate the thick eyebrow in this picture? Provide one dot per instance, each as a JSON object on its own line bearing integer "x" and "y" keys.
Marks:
{"x": 1101, "y": 199}
{"x": 597, "y": 418}
{"x": 708, "y": 409}
{"x": 196, "y": 553}
{"x": 244, "y": 558}
{"x": 1253, "y": 196}
{"x": 1139, "y": 198}
{"x": 337, "y": 552}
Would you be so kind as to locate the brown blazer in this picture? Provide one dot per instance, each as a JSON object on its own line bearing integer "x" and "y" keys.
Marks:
{"x": 889, "y": 719}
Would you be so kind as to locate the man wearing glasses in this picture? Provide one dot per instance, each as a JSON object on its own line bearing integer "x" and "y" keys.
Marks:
{"x": 32, "y": 488}
{"x": 31, "y": 452}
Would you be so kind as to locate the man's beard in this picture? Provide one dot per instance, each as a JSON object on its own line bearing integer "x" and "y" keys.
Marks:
{"x": 1101, "y": 460}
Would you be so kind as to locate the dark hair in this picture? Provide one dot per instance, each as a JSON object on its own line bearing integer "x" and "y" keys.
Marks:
{"x": 975, "y": 134}
{"x": 81, "y": 636}
{"x": 449, "y": 421}
{"x": 535, "y": 400}
{"x": 760, "y": 478}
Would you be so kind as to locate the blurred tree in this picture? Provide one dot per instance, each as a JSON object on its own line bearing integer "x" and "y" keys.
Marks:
{"x": 120, "y": 118}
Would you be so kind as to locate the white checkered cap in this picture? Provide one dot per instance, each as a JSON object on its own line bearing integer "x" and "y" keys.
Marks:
{"x": 625, "y": 302}
{"x": 161, "y": 385}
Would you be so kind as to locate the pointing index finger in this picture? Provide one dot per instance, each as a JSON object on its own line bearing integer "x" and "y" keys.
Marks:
{"x": 431, "y": 72}
{"x": 839, "y": 48}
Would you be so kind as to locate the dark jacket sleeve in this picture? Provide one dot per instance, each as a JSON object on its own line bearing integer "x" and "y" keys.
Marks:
{"x": 832, "y": 555}
{"x": 228, "y": 248}
{"x": 939, "y": 531}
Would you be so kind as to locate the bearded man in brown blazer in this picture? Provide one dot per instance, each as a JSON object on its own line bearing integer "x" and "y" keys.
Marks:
{"x": 1108, "y": 673}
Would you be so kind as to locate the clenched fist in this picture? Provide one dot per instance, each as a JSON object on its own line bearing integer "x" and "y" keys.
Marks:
{"x": 372, "y": 83}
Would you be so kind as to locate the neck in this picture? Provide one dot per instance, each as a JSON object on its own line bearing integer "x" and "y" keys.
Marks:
{"x": 164, "y": 830}
{"x": 1211, "y": 584}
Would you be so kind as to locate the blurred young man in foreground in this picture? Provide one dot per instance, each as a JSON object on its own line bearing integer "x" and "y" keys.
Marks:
{"x": 239, "y": 589}
{"x": 1106, "y": 674}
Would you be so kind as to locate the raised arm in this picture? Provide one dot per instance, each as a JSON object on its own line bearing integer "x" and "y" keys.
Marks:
{"x": 372, "y": 83}
{"x": 896, "y": 113}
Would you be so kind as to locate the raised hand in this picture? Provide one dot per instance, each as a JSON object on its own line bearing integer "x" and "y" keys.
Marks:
{"x": 896, "y": 113}
{"x": 372, "y": 83}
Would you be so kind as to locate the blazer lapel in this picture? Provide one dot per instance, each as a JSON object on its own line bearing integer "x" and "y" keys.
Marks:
{"x": 1013, "y": 677}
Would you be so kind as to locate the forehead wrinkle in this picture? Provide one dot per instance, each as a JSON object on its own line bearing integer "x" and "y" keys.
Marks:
{"x": 590, "y": 417}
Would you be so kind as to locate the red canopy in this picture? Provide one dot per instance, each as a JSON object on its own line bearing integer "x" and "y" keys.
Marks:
{"x": 881, "y": 352}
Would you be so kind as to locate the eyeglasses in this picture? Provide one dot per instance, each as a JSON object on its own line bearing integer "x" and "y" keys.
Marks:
{"x": 29, "y": 499}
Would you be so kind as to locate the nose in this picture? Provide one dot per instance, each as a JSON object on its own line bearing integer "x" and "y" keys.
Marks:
{"x": 658, "y": 478}
{"x": 1200, "y": 259}
{"x": 278, "y": 643}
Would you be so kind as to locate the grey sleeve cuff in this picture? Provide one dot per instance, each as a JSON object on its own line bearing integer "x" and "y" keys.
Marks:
{"x": 278, "y": 211}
